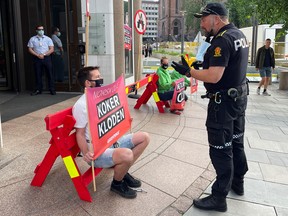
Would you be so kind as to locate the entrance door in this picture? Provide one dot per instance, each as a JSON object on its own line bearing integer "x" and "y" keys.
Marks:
{"x": 5, "y": 71}
{"x": 63, "y": 14}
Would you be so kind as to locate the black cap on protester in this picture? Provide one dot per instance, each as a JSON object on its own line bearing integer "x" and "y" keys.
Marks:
{"x": 212, "y": 8}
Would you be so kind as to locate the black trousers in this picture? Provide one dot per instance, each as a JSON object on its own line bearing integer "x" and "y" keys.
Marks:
{"x": 39, "y": 65}
{"x": 225, "y": 126}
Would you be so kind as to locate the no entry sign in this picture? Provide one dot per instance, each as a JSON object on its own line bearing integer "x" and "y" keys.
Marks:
{"x": 140, "y": 21}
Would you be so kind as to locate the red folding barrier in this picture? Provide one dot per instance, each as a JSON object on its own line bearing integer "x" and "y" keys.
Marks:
{"x": 151, "y": 89}
{"x": 63, "y": 143}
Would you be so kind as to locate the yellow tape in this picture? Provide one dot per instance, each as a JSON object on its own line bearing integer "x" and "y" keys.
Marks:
{"x": 127, "y": 90}
{"x": 70, "y": 166}
{"x": 138, "y": 85}
{"x": 156, "y": 97}
{"x": 149, "y": 79}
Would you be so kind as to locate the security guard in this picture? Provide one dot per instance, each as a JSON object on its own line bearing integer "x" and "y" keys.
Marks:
{"x": 224, "y": 76}
{"x": 41, "y": 47}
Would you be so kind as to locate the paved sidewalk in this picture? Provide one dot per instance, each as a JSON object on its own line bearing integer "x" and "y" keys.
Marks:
{"x": 175, "y": 168}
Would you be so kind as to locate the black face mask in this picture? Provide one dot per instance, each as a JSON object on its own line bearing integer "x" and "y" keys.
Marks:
{"x": 165, "y": 66}
{"x": 98, "y": 82}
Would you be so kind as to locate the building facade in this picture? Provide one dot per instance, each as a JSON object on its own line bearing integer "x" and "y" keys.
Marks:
{"x": 151, "y": 9}
{"x": 171, "y": 20}
{"x": 18, "y": 19}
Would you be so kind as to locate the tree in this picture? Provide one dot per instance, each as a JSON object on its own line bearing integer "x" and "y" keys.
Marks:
{"x": 265, "y": 11}
{"x": 191, "y": 7}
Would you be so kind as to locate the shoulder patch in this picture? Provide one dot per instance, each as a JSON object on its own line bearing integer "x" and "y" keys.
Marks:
{"x": 217, "y": 52}
{"x": 221, "y": 34}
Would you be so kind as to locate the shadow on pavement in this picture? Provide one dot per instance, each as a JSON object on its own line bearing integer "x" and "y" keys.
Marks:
{"x": 14, "y": 105}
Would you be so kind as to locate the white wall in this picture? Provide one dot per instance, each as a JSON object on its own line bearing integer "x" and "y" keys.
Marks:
{"x": 264, "y": 32}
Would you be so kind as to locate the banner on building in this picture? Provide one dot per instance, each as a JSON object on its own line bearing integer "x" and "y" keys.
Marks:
{"x": 108, "y": 114}
{"x": 127, "y": 37}
{"x": 178, "y": 100}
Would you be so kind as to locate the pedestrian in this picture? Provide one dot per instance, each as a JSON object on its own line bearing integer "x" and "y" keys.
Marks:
{"x": 265, "y": 63}
{"x": 41, "y": 47}
{"x": 150, "y": 49}
{"x": 57, "y": 57}
{"x": 121, "y": 155}
{"x": 146, "y": 50}
{"x": 224, "y": 77}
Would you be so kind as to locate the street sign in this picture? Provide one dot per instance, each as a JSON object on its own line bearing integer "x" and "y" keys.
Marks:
{"x": 140, "y": 21}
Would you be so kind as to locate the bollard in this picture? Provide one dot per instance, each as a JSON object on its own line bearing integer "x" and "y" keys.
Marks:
{"x": 283, "y": 82}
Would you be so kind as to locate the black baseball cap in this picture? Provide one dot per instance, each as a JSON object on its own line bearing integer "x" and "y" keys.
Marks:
{"x": 212, "y": 9}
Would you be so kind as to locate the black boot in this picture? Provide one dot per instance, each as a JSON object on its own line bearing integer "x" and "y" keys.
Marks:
{"x": 238, "y": 186}
{"x": 211, "y": 203}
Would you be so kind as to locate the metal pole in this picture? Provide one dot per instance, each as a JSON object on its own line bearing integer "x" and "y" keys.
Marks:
{"x": 182, "y": 34}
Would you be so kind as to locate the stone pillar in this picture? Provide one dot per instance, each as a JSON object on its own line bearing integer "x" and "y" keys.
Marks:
{"x": 118, "y": 8}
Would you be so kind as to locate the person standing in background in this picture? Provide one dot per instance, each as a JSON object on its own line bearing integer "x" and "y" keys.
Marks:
{"x": 265, "y": 63}
{"x": 41, "y": 47}
{"x": 57, "y": 57}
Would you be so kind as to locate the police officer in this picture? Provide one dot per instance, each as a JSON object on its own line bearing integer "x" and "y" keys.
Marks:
{"x": 41, "y": 47}
{"x": 224, "y": 76}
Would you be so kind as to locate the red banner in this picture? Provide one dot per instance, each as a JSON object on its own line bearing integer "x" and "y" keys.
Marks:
{"x": 108, "y": 114}
{"x": 194, "y": 85}
{"x": 127, "y": 37}
{"x": 178, "y": 100}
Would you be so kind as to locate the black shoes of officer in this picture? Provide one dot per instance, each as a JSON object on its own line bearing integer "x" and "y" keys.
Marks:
{"x": 52, "y": 92}
{"x": 131, "y": 181}
{"x": 36, "y": 92}
{"x": 211, "y": 203}
{"x": 238, "y": 187}
{"x": 122, "y": 189}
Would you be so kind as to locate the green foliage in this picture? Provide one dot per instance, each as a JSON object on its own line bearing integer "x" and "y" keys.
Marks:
{"x": 164, "y": 52}
{"x": 191, "y": 7}
{"x": 265, "y": 11}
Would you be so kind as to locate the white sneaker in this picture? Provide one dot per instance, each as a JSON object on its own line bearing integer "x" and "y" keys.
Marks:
{"x": 258, "y": 91}
{"x": 266, "y": 93}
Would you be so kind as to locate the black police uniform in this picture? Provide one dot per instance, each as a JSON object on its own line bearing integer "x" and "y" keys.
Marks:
{"x": 226, "y": 110}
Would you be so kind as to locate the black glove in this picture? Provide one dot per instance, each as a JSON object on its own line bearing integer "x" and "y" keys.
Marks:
{"x": 182, "y": 69}
{"x": 196, "y": 65}
{"x": 184, "y": 62}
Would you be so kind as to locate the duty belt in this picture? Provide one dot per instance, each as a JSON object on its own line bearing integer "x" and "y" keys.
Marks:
{"x": 231, "y": 93}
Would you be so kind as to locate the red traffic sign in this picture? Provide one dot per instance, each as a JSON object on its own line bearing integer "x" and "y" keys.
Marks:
{"x": 140, "y": 21}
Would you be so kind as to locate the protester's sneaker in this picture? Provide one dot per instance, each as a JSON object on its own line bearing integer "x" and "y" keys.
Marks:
{"x": 266, "y": 93}
{"x": 123, "y": 190}
{"x": 131, "y": 181}
{"x": 258, "y": 91}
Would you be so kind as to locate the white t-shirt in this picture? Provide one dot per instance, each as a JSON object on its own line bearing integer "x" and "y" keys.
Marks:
{"x": 80, "y": 114}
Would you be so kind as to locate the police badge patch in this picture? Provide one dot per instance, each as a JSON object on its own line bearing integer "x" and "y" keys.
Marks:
{"x": 217, "y": 52}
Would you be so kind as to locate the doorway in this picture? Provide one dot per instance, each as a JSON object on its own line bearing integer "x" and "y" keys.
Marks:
{"x": 5, "y": 71}
{"x": 63, "y": 14}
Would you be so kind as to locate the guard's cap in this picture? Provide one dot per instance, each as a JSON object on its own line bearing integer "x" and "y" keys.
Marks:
{"x": 212, "y": 8}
